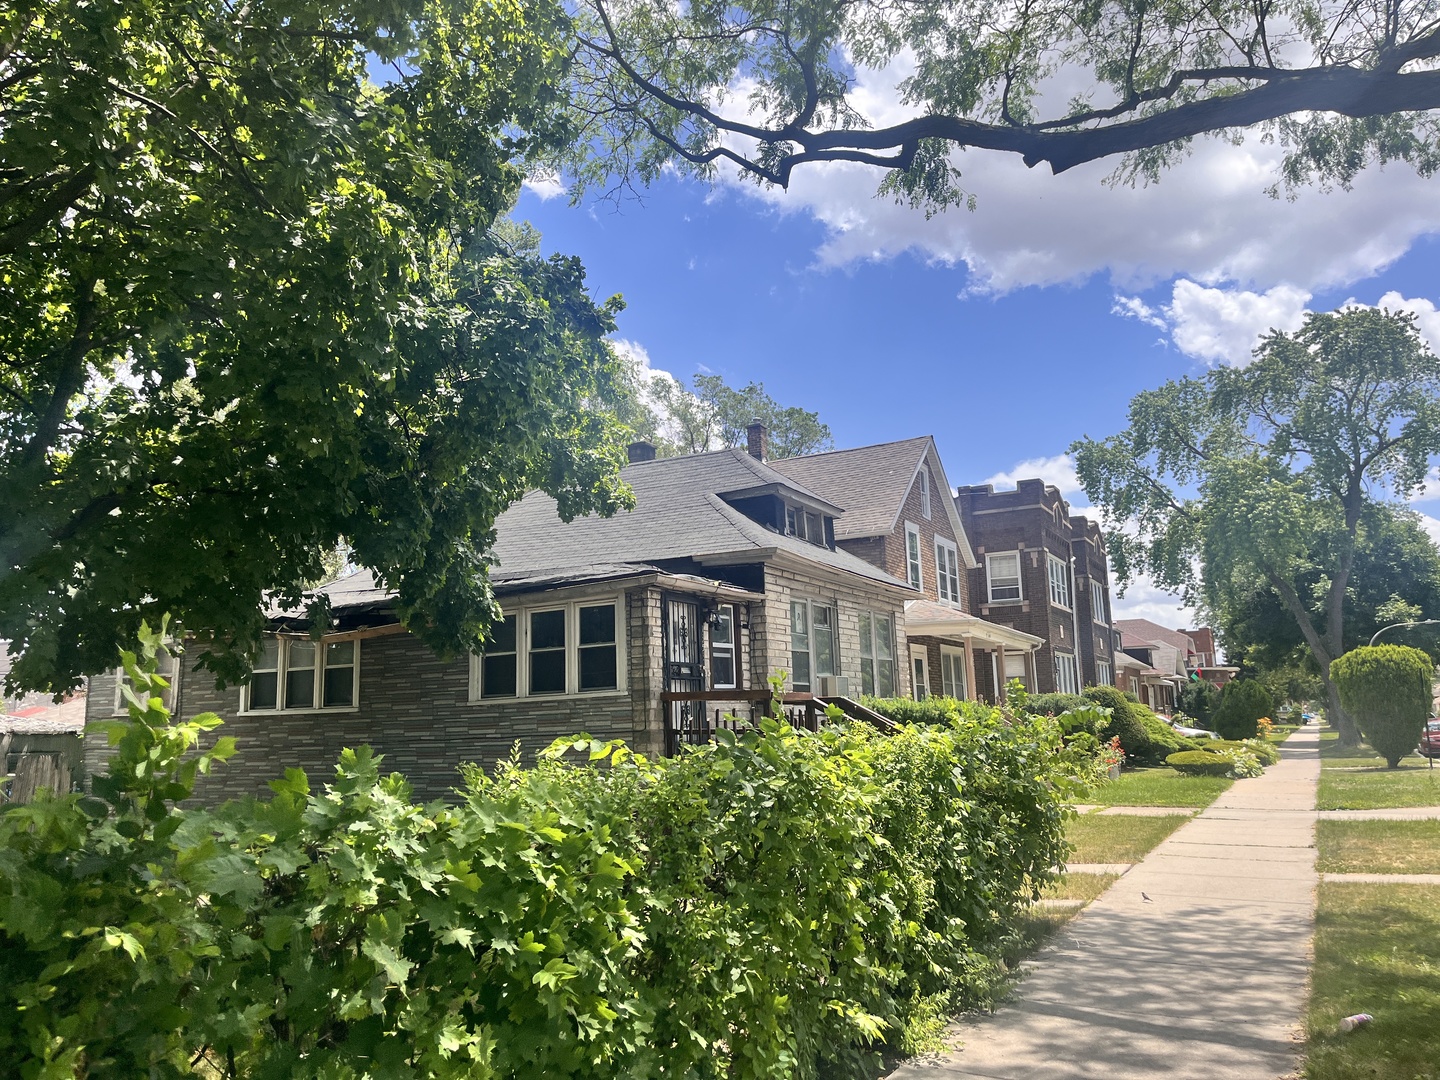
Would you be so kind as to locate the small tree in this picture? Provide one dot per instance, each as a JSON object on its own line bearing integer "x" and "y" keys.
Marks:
{"x": 1199, "y": 700}
{"x": 1242, "y": 704}
{"x": 1387, "y": 689}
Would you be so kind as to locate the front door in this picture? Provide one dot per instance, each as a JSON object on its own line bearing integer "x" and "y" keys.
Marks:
{"x": 919, "y": 669}
{"x": 684, "y": 673}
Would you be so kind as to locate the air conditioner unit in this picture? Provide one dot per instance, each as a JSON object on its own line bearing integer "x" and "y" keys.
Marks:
{"x": 833, "y": 686}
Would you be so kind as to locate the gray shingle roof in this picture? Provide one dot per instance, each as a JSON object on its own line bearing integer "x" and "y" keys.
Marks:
{"x": 678, "y": 515}
{"x": 871, "y": 482}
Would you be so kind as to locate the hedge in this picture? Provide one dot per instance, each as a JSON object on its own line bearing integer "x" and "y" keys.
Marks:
{"x": 1242, "y": 704}
{"x": 1200, "y": 763}
{"x": 773, "y": 905}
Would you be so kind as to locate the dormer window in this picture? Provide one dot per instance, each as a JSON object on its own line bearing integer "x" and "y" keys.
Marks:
{"x": 805, "y": 525}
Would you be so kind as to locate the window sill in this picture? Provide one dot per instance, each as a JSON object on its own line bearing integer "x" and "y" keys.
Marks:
{"x": 582, "y": 695}
{"x": 333, "y": 709}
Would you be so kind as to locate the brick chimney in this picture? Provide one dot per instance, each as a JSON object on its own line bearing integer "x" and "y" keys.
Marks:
{"x": 640, "y": 450}
{"x": 756, "y": 440}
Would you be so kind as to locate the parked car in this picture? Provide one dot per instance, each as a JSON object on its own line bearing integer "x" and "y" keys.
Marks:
{"x": 1430, "y": 739}
{"x": 1192, "y": 732}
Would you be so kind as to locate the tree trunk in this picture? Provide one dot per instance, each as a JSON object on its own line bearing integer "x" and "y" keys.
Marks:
{"x": 1338, "y": 717}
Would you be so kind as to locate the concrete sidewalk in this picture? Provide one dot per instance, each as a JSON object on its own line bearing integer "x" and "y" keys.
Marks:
{"x": 1192, "y": 966}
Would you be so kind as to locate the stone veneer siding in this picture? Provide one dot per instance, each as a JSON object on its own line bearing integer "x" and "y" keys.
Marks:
{"x": 414, "y": 708}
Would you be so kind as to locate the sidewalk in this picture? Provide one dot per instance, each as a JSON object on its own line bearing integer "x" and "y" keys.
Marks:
{"x": 1192, "y": 966}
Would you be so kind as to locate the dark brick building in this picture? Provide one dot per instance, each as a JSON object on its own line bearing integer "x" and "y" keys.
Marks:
{"x": 1044, "y": 571}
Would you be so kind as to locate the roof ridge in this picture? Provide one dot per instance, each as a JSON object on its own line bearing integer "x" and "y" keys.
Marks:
{"x": 853, "y": 449}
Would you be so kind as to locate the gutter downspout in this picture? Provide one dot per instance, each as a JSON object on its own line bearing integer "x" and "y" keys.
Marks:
{"x": 1075, "y": 625}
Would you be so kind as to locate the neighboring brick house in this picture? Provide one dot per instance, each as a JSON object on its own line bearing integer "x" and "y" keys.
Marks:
{"x": 1043, "y": 571}
{"x": 1169, "y": 654}
{"x": 900, "y": 517}
{"x": 725, "y": 572}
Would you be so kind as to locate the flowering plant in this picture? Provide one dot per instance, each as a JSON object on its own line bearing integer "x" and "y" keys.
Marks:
{"x": 1264, "y": 726}
{"x": 1111, "y": 754}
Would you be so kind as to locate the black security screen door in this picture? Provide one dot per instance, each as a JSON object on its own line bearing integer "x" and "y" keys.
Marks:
{"x": 684, "y": 673}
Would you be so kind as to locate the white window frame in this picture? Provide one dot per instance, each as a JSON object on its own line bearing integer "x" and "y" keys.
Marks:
{"x": 1103, "y": 675}
{"x": 1097, "y": 603}
{"x": 167, "y": 668}
{"x": 869, "y": 653}
{"x": 920, "y": 659}
{"x": 1058, "y": 576}
{"x": 572, "y": 653}
{"x": 947, "y": 570}
{"x": 914, "y": 569}
{"x": 1067, "y": 673}
{"x": 282, "y": 668}
{"x": 729, "y": 648}
{"x": 925, "y": 492}
{"x": 1019, "y": 585}
{"x": 811, "y": 605}
{"x": 954, "y": 674}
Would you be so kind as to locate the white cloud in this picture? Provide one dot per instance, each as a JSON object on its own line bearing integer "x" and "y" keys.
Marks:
{"x": 1058, "y": 470}
{"x": 1224, "y": 325}
{"x": 1208, "y": 219}
{"x": 1145, "y": 600}
{"x": 1427, "y": 317}
{"x": 633, "y": 350}
{"x": 545, "y": 187}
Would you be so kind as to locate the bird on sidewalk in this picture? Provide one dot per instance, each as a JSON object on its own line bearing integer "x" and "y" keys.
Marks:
{"x": 1146, "y": 897}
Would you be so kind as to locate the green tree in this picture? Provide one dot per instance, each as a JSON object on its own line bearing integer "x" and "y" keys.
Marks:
{"x": 1340, "y": 85}
{"x": 711, "y": 415}
{"x": 1199, "y": 700}
{"x": 1266, "y": 472}
{"x": 253, "y": 302}
{"x": 1396, "y": 577}
{"x": 1387, "y": 688}
{"x": 1242, "y": 704}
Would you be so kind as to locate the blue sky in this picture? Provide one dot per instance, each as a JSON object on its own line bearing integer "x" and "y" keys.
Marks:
{"x": 1006, "y": 332}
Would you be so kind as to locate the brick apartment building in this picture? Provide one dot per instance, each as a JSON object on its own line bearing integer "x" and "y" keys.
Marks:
{"x": 1044, "y": 571}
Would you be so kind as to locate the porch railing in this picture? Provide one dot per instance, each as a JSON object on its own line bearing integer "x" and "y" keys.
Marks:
{"x": 689, "y": 725}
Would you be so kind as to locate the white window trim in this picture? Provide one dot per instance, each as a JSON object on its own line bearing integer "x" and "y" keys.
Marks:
{"x": 947, "y": 571}
{"x": 956, "y": 657}
{"x": 572, "y": 653}
{"x": 914, "y": 568}
{"x": 732, "y": 647}
{"x": 921, "y": 654}
{"x": 1097, "y": 603}
{"x": 168, "y": 668}
{"x": 1053, "y": 562}
{"x": 810, "y": 605}
{"x": 925, "y": 492}
{"x": 874, "y": 657}
{"x": 990, "y": 557}
{"x": 1072, "y": 667}
{"x": 1103, "y": 675}
{"x": 282, "y": 666}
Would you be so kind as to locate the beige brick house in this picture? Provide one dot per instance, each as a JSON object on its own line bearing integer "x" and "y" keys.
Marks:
{"x": 648, "y": 626}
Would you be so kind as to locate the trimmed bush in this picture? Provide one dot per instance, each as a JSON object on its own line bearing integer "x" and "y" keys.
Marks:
{"x": 1242, "y": 704}
{"x": 1387, "y": 689}
{"x": 932, "y": 710}
{"x": 1054, "y": 704}
{"x": 1123, "y": 724}
{"x": 1200, "y": 763}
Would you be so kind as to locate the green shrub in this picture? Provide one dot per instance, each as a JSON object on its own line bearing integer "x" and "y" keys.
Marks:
{"x": 1200, "y": 763}
{"x": 1387, "y": 689}
{"x": 1124, "y": 723}
{"x": 931, "y": 710}
{"x": 1199, "y": 700}
{"x": 1242, "y": 704}
{"x": 773, "y": 905}
{"x": 1054, "y": 704}
{"x": 1263, "y": 749}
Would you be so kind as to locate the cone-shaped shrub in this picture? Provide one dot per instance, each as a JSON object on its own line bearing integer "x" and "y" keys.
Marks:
{"x": 1241, "y": 706}
{"x": 1387, "y": 689}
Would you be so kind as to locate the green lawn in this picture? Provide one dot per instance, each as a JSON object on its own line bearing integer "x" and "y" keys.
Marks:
{"x": 1161, "y": 786}
{"x": 1378, "y": 847}
{"x": 1377, "y": 950}
{"x": 1085, "y": 887}
{"x": 1413, "y": 784}
{"x": 1113, "y": 838}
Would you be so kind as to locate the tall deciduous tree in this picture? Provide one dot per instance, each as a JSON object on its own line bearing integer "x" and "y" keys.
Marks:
{"x": 763, "y": 85}
{"x": 1266, "y": 472}
{"x": 252, "y": 303}
{"x": 711, "y": 415}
